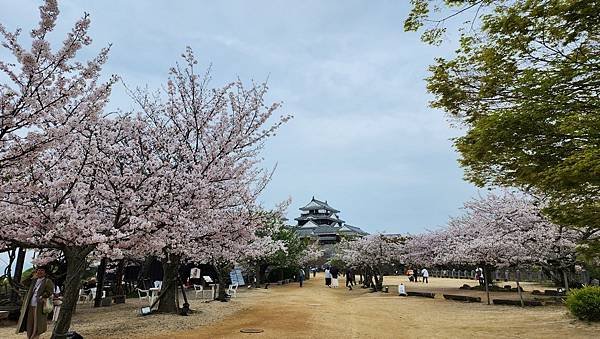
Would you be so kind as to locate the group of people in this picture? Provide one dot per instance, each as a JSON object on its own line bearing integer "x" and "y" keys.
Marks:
{"x": 331, "y": 277}
{"x": 413, "y": 275}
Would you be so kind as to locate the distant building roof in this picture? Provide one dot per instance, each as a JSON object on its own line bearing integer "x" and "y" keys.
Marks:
{"x": 331, "y": 217}
{"x": 304, "y": 232}
{"x": 323, "y": 229}
{"x": 315, "y": 204}
{"x": 352, "y": 229}
{"x": 310, "y": 224}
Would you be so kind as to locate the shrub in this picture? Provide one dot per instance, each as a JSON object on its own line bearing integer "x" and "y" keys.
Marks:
{"x": 584, "y": 303}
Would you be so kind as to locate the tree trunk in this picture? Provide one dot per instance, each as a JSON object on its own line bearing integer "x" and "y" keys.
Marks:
{"x": 100, "y": 281}
{"x": 378, "y": 284}
{"x": 566, "y": 280}
{"x": 264, "y": 276}
{"x": 486, "y": 281}
{"x": 258, "y": 275}
{"x": 144, "y": 272}
{"x": 169, "y": 285}
{"x": 517, "y": 278}
{"x": 223, "y": 275}
{"x": 185, "y": 310}
{"x": 19, "y": 265}
{"x": 378, "y": 279}
{"x": 75, "y": 258}
{"x": 119, "y": 273}
{"x": 18, "y": 274}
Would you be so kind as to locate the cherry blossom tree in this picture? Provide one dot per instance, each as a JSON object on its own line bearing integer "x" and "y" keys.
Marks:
{"x": 54, "y": 144}
{"x": 210, "y": 140}
{"x": 79, "y": 197}
{"x": 47, "y": 93}
{"x": 274, "y": 230}
{"x": 498, "y": 230}
{"x": 371, "y": 254}
{"x": 311, "y": 255}
{"x": 237, "y": 247}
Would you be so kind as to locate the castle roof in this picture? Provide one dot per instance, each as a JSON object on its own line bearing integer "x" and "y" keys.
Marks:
{"x": 331, "y": 217}
{"x": 324, "y": 229}
{"x": 315, "y": 204}
{"x": 352, "y": 229}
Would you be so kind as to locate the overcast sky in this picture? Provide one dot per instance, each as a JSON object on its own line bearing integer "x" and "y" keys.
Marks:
{"x": 363, "y": 137}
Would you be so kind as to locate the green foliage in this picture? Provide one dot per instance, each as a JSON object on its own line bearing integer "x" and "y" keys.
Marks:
{"x": 428, "y": 11}
{"x": 337, "y": 262}
{"x": 525, "y": 84}
{"x": 277, "y": 230}
{"x": 26, "y": 275}
{"x": 584, "y": 303}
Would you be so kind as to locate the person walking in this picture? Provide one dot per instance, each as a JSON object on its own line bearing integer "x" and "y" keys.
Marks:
{"x": 334, "y": 277}
{"x": 33, "y": 320}
{"x": 327, "y": 277}
{"x": 349, "y": 278}
{"x": 425, "y": 275}
{"x": 301, "y": 276}
{"x": 479, "y": 276}
{"x": 415, "y": 275}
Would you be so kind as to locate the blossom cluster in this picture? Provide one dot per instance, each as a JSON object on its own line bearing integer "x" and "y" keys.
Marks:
{"x": 178, "y": 176}
{"x": 500, "y": 229}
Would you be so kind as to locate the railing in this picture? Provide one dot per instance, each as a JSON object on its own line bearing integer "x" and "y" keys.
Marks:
{"x": 500, "y": 275}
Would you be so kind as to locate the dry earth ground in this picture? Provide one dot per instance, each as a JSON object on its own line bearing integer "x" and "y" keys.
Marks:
{"x": 316, "y": 311}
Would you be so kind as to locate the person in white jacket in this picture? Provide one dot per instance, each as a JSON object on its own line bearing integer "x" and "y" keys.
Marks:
{"x": 327, "y": 277}
{"x": 425, "y": 275}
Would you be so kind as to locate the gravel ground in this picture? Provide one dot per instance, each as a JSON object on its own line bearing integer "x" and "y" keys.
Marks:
{"x": 123, "y": 321}
{"x": 316, "y": 311}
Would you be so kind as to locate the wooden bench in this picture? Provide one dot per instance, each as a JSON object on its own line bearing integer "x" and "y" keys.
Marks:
{"x": 517, "y": 302}
{"x": 421, "y": 294}
{"x": 553, "y": 293}
{"x": 9, "y": 312}
{"x": 463, "y": 298}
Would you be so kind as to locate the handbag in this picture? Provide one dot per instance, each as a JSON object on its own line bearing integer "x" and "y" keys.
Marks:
{"x": 48, "y": 306}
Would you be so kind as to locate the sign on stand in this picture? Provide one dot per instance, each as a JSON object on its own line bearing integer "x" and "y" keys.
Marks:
{"x": 236, "y": 277}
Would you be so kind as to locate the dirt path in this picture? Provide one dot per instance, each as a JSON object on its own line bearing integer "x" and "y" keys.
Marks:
{"x": 315, "y": 311}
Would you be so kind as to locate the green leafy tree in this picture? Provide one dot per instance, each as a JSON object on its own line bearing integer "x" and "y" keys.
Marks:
{"x": 525, "y": 85}
{"x": 287, "y": 260}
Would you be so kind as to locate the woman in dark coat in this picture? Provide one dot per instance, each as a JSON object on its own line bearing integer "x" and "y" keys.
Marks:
{"x": 32, "y": 319}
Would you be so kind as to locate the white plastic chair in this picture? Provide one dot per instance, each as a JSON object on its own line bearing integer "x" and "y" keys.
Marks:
{"x": 146, "y": 295}
{"x": 232, "y": 290}
{"x": 92, "y": 294}
{"x": 83, "y": 297}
